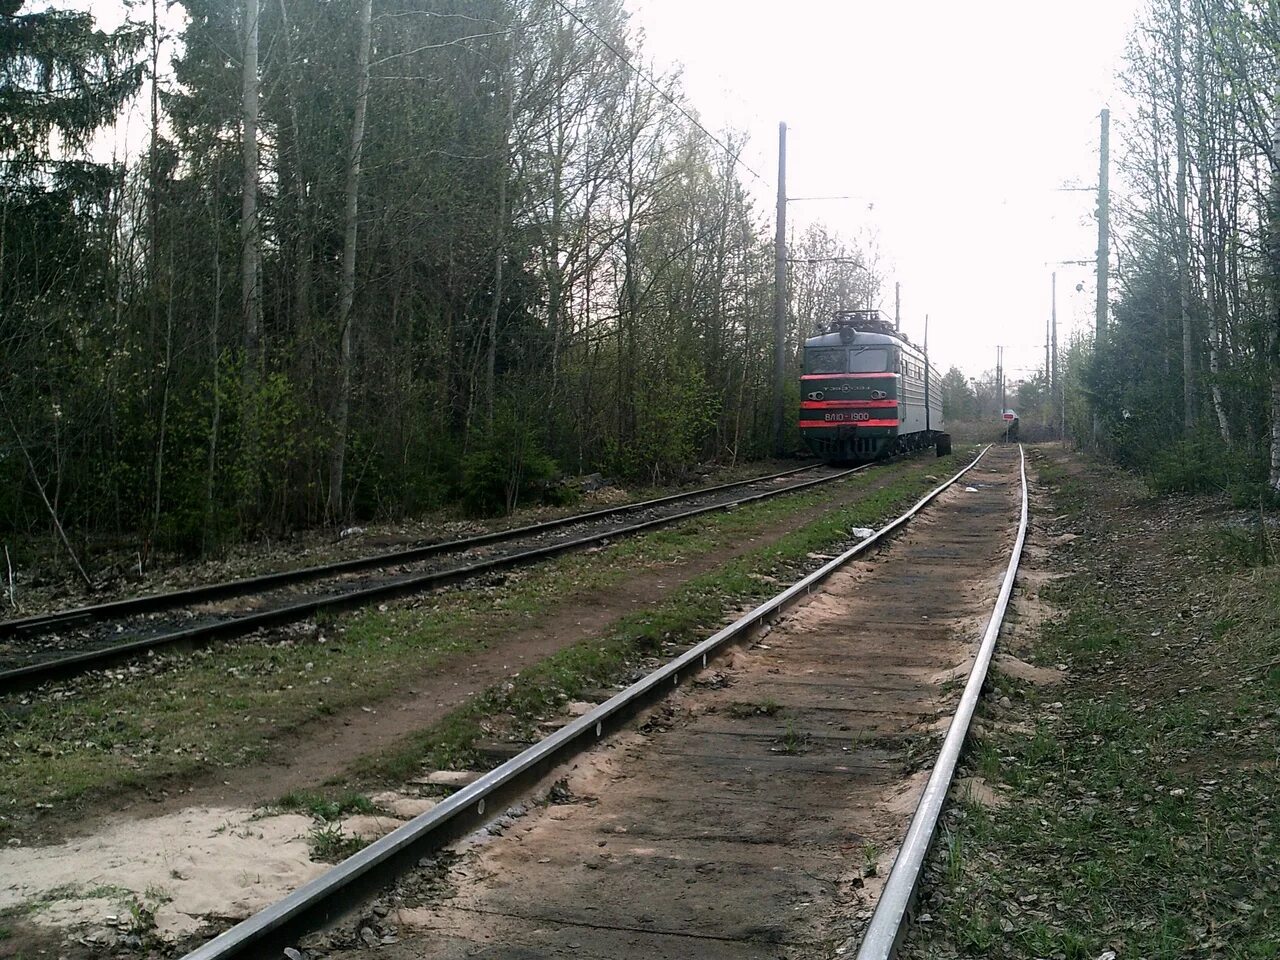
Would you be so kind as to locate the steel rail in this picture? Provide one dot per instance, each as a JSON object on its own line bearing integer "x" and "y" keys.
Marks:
{"x": 44, "y": 622}
{"x": 26, "y": 676}
{"x": 340, "y": 889}
{"x": 889, "y": 921}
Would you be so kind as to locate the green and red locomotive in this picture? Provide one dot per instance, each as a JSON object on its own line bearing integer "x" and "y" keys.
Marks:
{"x": 868, "y": 392}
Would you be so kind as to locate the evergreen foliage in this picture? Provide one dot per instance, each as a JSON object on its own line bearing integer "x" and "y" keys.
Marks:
{"x": 1185, "y": 386}
{"x": 959, "y": 400}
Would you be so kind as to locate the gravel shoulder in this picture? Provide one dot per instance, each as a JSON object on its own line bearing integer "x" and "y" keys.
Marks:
{"x": 43, "y": 585}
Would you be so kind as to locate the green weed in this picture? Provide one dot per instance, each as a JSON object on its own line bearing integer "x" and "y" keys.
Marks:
{"x": 766, "y": 708}
{"x": 325, "y": 808}
{"x": 953, "y": 843}
{"x": 870, "y": 859}
{"x": 793, "y": 740}
{"x": 328, "y": 844}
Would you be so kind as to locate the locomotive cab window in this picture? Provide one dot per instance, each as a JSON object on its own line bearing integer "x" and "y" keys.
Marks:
{"x": 871, "y": 360}
{"x": 833, "y": 360}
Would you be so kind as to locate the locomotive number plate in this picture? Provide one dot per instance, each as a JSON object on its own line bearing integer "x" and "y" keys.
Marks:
{"x": 848, "y": 416}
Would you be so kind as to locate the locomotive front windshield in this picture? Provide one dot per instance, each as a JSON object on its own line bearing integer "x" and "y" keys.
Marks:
{"x": 869, "y": 360}
{"x": 848, "y": 360}
{"x": 831, "y": 360}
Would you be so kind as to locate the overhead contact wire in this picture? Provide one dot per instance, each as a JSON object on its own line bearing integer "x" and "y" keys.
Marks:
{"x": 736, "y": 157}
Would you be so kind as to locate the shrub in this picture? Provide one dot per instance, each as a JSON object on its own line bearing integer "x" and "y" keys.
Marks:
{"x": 507, "y": 465}
{"x": 1204, "y": 465}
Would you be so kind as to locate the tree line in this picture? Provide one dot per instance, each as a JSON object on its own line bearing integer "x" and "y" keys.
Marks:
{"x": 1184, "y": 381}
{"x": 375, "y": 256}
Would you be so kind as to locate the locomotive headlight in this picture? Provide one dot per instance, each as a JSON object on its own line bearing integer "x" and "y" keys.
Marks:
{"x": 878, "y": 394}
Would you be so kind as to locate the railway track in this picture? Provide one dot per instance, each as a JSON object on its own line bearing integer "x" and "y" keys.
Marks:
{"x": 61, "y": 644}
{"x": 755, "y": 809}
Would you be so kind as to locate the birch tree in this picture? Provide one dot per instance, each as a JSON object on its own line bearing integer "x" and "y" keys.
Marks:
{"x": 250, "y": 227}
{"x": 350, "y": 236}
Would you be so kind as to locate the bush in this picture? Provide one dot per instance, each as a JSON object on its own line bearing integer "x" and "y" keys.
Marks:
{"x": 560, "y": 494}
{"x": 506, "y": 466}
{"x": 1205, "y": 465}
{"x": 1248, "y": 547}
{"x": 674, "y": 415}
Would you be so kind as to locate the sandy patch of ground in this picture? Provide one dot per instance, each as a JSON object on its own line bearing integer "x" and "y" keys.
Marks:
{"x": 977, "y": 790}
{"x": 369, "y": 826}
{"x": 183, "y": 866}
{"x": 901, "y": 799}
{"x": 1029, "y": 673}
{"x": 403, "y": 806}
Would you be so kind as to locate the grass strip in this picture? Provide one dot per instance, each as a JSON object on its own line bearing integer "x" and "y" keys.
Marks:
{"x": 175, "y": 718}
{"x": 688, "y": 615}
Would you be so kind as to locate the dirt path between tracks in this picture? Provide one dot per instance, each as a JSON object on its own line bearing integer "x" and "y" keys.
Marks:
{"x": 312, "y": 756}
{"x": 133, "y": 841}
{"x": 755, "y": 813}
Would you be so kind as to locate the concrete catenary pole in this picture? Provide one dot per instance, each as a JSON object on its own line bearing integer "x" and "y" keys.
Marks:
{"x": 780, "y": 298}
{"x": 1048, "y": 368}
{"x": 926, "y": 372}
{"x": 1104, "y": 227}
{"x": 897, "y": 306}
{"x": 1053, "y": 352}
{"x": 1000, "y": 377}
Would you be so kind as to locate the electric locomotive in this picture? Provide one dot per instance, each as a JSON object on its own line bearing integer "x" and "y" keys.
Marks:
{"x": 868, "y": 392}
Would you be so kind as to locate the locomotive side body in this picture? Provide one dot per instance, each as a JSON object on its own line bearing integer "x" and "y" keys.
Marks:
{"x": 866, "y": 394}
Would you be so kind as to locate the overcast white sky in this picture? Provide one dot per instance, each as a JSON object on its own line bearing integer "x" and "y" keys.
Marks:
{"x": 957, "y": 120}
